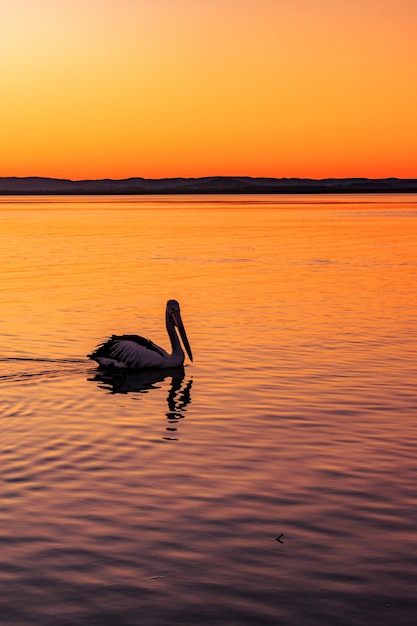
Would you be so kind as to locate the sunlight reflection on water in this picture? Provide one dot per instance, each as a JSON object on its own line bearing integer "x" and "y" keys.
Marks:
{"x": 159, "y": 499}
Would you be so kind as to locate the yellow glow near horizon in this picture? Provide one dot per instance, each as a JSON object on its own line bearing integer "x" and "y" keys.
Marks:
{"x": 305, "y": 88}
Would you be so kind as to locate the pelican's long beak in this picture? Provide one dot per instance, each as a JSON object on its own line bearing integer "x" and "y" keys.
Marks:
{"x": 178, "y": 323}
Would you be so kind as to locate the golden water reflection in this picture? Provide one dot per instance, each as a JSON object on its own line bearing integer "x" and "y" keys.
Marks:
{"x": 302, "y": 316}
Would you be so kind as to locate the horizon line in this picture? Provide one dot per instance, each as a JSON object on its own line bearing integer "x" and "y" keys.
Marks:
{"x": 211, "y": 176}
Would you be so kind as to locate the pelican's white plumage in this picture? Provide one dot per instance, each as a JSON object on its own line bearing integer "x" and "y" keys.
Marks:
{"x": 135, "y": 352}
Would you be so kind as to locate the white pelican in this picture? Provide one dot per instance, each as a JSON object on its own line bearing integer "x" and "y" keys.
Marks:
{"x": 132, "y": 351}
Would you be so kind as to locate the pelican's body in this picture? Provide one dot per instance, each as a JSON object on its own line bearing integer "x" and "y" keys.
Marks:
{"x": 134, "y": 352}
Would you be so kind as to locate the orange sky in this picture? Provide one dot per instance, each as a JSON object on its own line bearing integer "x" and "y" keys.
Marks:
{"x": 309, "y": 88}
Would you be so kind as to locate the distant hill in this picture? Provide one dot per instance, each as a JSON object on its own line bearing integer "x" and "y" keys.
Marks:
{"x": 205, "y": 185}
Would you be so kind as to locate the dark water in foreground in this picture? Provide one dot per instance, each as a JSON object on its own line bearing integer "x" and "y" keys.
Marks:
{"x": 160, "y": 500}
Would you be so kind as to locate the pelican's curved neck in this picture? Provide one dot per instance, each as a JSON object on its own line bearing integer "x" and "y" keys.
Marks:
{"x": 172, "y": 333}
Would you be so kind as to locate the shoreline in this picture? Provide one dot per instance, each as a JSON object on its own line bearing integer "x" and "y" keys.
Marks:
{"x": 13, "y": 186}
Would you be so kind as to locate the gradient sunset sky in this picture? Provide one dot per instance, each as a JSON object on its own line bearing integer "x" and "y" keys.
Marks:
{"x": 164, "y": 88}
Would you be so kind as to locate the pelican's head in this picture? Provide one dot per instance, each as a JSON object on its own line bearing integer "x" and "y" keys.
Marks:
{"x": 173, "y": 313}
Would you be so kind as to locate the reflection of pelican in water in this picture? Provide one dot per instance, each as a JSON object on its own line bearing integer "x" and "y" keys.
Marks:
{"x": 141, "y": 381}
{"x": 135, "y": 352}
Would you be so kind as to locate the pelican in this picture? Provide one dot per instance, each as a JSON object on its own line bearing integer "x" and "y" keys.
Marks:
{"x": 132, "y": 351}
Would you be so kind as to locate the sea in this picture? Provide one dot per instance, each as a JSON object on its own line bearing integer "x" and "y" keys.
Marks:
{"x": 271, "y": 481}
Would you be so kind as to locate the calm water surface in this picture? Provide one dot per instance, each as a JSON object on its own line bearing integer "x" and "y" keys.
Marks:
{"x": 160, "y": 500}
